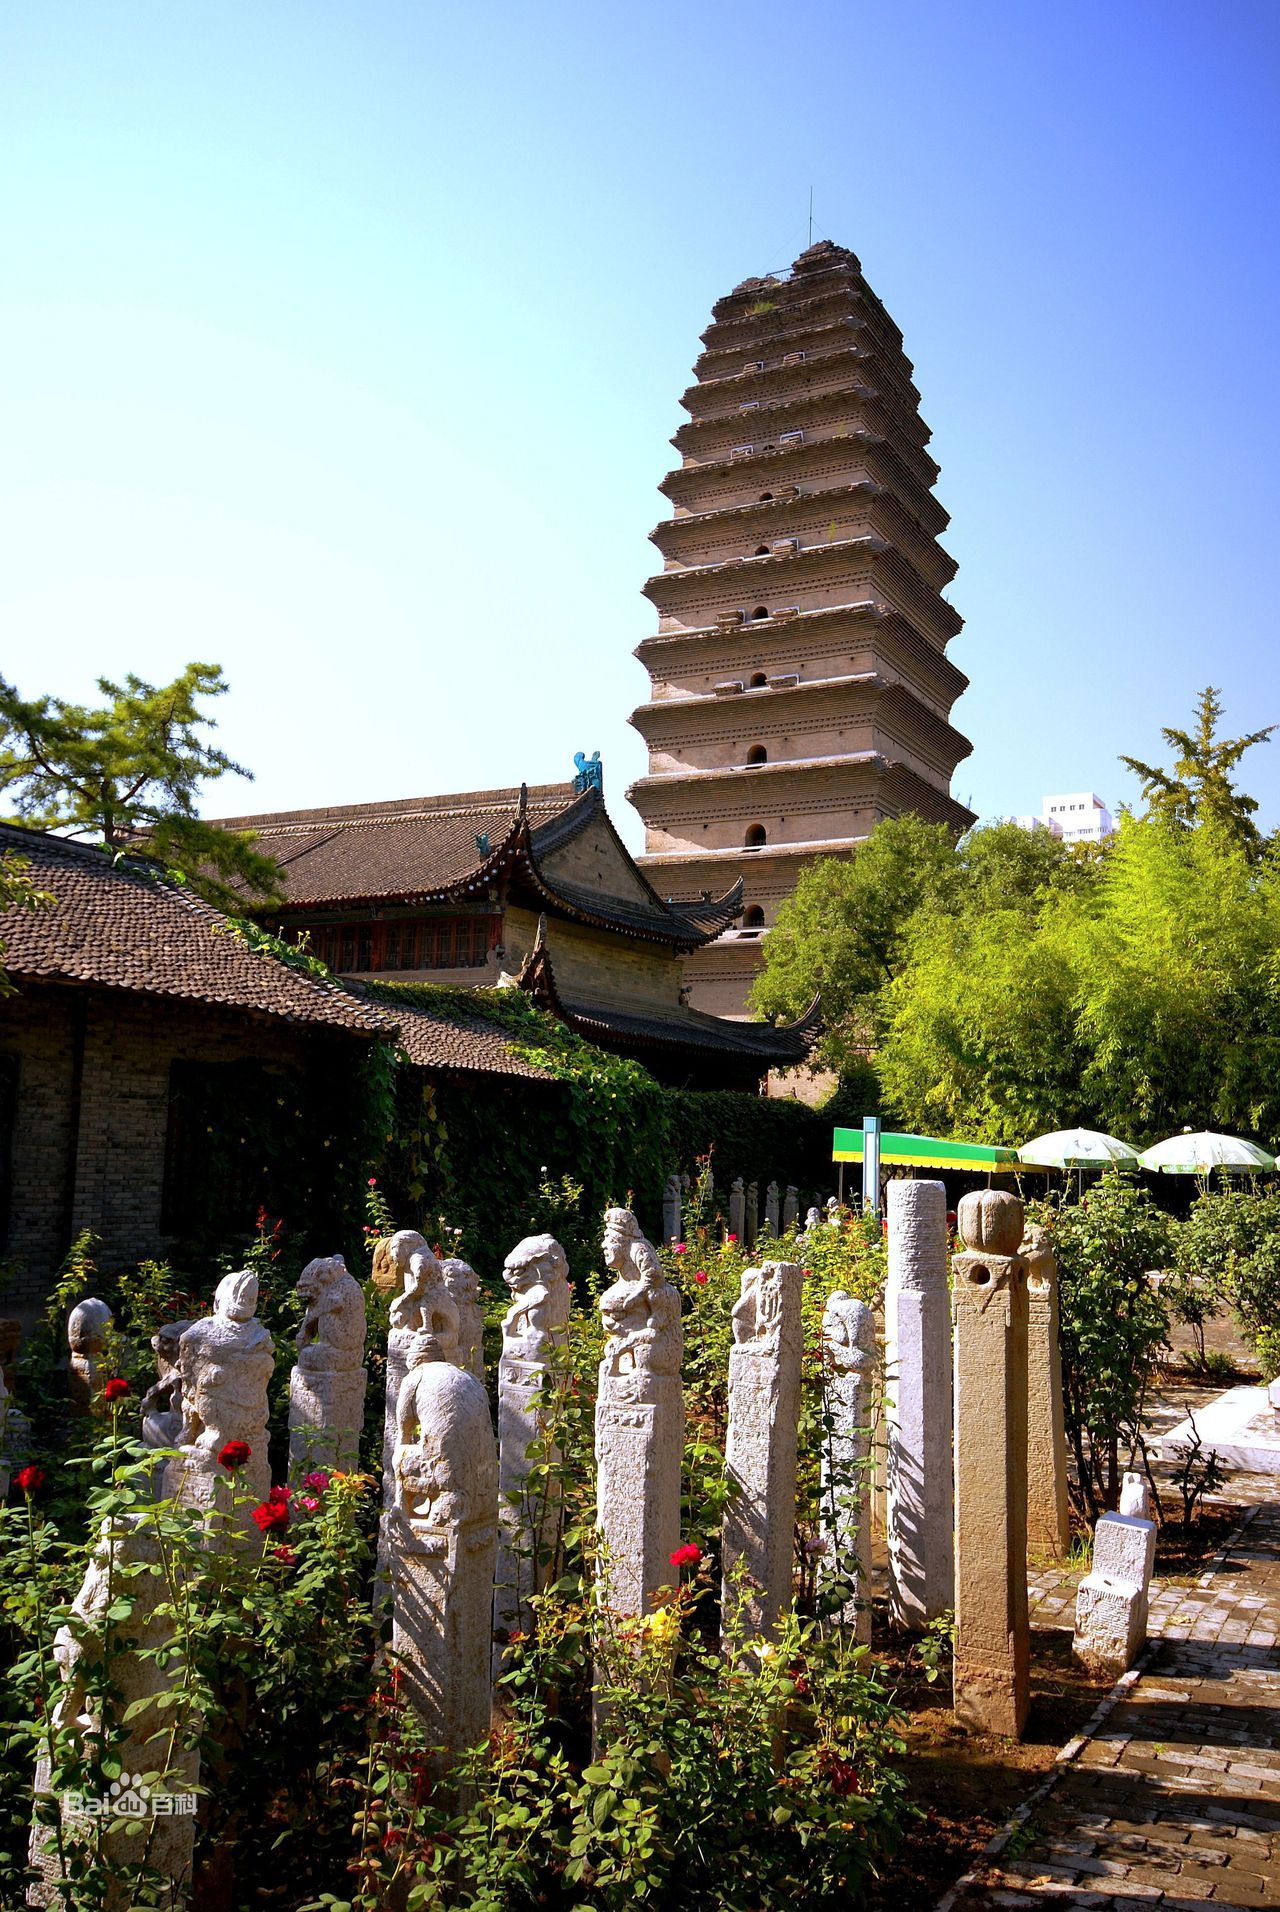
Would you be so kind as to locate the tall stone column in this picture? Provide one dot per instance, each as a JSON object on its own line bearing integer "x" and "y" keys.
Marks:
{"x": 1048, "y": 1510}
{"x": 918, "y": 1505}
{"x": 752, "y": 1214}
{"x": 639, "y": 1421}
{"x": 152, "y": 1827}
{"x": 671, "y": 1209}
{"x": 771, "y": 1209}
{"x": 849, "y": 1369}
{"x": 534, "y": 1334}
{"x": 993, "y": 1641}
{"x": 443, "y": 1533}
{"x": 327, "y": 1384}
{"x": 791, "y": 1206}
{"x": 764, "y": 1410}
{"x": 463, "y": 1283}
{"x": 738, "y": 1208}
{"x": 423, "y": 1306}
{"x": 225, "y": 1361}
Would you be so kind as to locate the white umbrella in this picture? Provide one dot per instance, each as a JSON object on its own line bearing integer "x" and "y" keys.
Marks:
{"x": 1077, "y": 1148}
{"x": 1197, "y": 1154}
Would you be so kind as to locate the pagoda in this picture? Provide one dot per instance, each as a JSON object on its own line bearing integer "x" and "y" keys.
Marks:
{"x": 800, "y": 687}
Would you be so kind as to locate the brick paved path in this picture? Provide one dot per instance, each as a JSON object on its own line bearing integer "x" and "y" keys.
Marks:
{"x": 1175, "y": 1799}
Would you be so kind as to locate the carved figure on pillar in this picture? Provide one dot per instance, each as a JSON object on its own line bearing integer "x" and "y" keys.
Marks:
{"x": 850, "y": 1365}
{"x": 534, "y": 1330}
{"x": 225, "y": 1361}
{"x": 391, "y": 1258}
{"x": 161, "y": 1406}
{"x": 443, "y": 1539}
{"x": 1048, "y": 1509}
{"x": 639, "y": 1419}
{"x": 463, "y": 1283}
{"x": 991, "y": 1666}
{"x": 764, "y": 1400}
{"x": 771, "y": 1209}
{"x": 791, "y": 1206}
{"x": 918, "y": 1416}
{"x": 87, "y": 1327}
{"x": 671, "y": 1209}
{"x": 327, "y": 1385}
{"x": 423, "y": 1306}
{"x": 738, "y": 1208}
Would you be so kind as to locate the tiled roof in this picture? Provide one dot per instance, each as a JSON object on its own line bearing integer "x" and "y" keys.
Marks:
{"x": 773, "y": 1046}
{"x": 415, "y": 847}
{"x": 117, "y": 926}
{"x": 447, "y": 1038}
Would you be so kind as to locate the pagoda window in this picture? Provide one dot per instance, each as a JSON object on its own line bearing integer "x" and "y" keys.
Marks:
{"x": 753, "y": 917}
{"x": 758, "y": 681}
{"x": 755, "y": 838}
{"x": 791, "y": 438}
{"x": 761, "y": 551}
{"x": 761, "y": 610}
{"x": 766, "y": 497}
{"x": 757, "y": 754}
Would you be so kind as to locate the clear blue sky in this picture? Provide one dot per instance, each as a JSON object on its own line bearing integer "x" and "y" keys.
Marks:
{"x": 342, "y": 345}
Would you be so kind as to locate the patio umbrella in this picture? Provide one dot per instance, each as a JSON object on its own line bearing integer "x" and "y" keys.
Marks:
{"x": 1197, "y": 1154}
{"x": 1077, "y": 1148}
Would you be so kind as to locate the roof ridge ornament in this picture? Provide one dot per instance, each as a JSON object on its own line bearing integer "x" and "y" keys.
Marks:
{"x": 590, "y": 772}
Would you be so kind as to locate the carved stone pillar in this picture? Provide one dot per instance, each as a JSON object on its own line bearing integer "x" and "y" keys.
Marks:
{"x": 850, "y": 1360}
{"x": 534, "y": 1331}
{"x": 327, "y": 1385}
{"x": 1048, "y": 1510}
{"x": 918, "y": 1418}
{"x": 764, "y": 1403}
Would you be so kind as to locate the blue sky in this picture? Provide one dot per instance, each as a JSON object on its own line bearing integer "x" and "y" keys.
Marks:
{"x": 342, "y": 345}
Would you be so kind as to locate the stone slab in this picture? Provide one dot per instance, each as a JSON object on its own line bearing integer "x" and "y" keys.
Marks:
{"x": 1240, "y": 1426}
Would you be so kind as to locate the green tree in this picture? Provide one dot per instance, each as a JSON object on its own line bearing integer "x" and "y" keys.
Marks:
{"x": 128, "y": 773}
{"x": 17, "y": 891}
{"x": 1199, "y": 788}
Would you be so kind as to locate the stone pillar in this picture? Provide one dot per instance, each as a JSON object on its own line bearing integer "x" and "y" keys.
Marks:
{"x": 1111, "y": 1600}
{"x": 225, "y": 1361}
{"x": 738, "y": 1209}
{"x": 752, "y": 1218}
{"x": 771, "y": 1210}
{"x": 463, "y": 1283}
{"x": 671, "y": 1210}
{"x": 327, "y": 1384}
{"x": 849, "y": 1358}
{"x": 126, "y": 1563}
{"x": 760, "y": 1459}
{"x": 918, "y": 1500}
{"x": 423, "y": 1306}
{"x": 791, "y": 1206}
{"x": 639, "y": 1421}
{"x": 1048, "y": 1513}
{"x": 992, "y": 1689}
{"x": 812, "y": 1220}
{"x": 534, "y": 1336}
{"x": 443, "y": 1535}
{"x": 87, "y": 1327}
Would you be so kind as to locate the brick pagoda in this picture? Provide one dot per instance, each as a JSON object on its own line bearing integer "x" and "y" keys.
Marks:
{"x": 800, "y": 687}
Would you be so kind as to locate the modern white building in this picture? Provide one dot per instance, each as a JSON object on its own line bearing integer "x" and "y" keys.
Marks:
{"x": 1077, "y": 817}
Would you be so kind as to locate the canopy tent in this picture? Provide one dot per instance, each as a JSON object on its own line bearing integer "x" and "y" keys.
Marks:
{"x": 1197, "y": 1154}
{"x": 1077, "y": 1148}
{"x": 923, "y": 1151}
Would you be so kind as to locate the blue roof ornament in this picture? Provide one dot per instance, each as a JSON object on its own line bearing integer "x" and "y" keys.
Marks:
{"x": 482, "y": 842}
{"x": 590, "y": 772}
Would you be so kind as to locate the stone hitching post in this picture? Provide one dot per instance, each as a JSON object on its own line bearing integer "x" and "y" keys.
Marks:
{"x": 87, "y": 1327}
{"x": 639, "y": 1421}
{"x": 671, "y": 1195}
{"x": 423, "y": 1305}
{"x": 150, "y": 1818}
{"x": 758, "y": 1546}
{"x": 225, "y": 1361}
{"x": 327, "y": 1385}
{"x": 993, "y": 1639}
{"x": 1048, "y": 1513}
{"x": 1111, "y": 1600}
{"x": 918, "y": 1508}
{"x": 463, "y": 1283}
{"x": 443, "y": 1539}
{"x": 738, "y": 1209}
{"x": 849, "y": 1370}
{"x": 534, "y": 1328}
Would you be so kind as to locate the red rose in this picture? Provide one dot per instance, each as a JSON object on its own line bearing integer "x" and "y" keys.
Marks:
{"x": 686, "y": 1556}
{"x": 731, "y": 1238}
{"x": 115, "y": 1390}
{"x": 280, "y": 1496}
{"x": 680, "y": 1249}
{"x": 234, "y": 1455}
{"x": 285, "y": 1555}
{"x": 272, "y": 1516}
{"x": 701, "y": 1277}
{"x": 373, "y": 1181}
{"x": 29, "y": 1480}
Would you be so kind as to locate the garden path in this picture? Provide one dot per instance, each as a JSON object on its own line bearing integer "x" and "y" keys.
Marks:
{"x": 1173, "y": 1797}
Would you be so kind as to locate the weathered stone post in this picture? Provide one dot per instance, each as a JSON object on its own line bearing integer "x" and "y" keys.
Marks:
{"x": 1048, "y": 1512}
{"x": 87, "y": 1327}
{"x": 753, "y": 1214}
{"x": 771, "y": 1210}
{"x": 791, "y": 1206}
{"x": 153, "y": 1821}
{"x": 849, "y": 1365}
{"x": 443, "y": 1538}
{"x": 764, "y": 1410}
{"x": 534, "y": 1330}
{"x": 424, "y": 1305}
{"x": 738, "y": 1208}
{"x": 1112, "y": 1599}
{"x": 225, "y": 1361}
{"x": 639, "y": 1421}
{"x": 671, "y": 1210}
{"x": 992, "y": 1690}
{"x": 918, "y": 1507}
{"x": 463, "y": 1283}
{"x": 327, "y": 1384}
